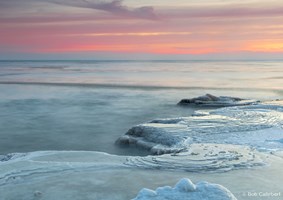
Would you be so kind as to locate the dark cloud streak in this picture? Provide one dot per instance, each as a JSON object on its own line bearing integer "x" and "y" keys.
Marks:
{"x": 114, "y": 7}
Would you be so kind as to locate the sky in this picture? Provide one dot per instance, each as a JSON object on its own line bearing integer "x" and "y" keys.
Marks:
{"x": 144, "y": 29}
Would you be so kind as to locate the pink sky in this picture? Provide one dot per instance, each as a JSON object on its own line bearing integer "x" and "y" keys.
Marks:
{"x": 198, "y": 27}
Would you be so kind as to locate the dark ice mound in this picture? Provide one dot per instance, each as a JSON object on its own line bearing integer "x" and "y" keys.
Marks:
{"x": 158, "y": 138}
{"x": 12, "y": 156}
{"x": 217, "y": 101}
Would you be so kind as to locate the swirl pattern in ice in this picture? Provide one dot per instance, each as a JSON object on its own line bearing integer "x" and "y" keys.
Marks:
{"x": 202, "y": 158}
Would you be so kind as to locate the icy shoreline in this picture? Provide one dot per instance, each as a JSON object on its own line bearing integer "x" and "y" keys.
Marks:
{"x": 243, "y": 141}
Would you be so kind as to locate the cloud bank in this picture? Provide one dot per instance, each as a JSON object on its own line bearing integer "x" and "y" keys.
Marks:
{"x": 163, "y": 27}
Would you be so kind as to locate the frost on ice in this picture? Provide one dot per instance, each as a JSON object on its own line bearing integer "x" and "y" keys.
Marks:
{"x": 241, "y": 125}
{"x": 185, "y": 189}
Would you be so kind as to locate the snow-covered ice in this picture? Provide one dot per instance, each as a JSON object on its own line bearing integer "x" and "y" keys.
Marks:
{"x": 257, "y": 126}
{"x": 185, "y": 189}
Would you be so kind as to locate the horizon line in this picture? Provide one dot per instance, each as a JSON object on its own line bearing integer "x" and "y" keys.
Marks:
{"x": 134, "y": 60}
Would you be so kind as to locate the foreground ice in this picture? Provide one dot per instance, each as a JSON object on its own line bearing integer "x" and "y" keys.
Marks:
{"x": 185, "y": 189}
{"x": 257, "y": 126}
{"x": 84, "y": 175}
{"x": 31, "y": 175}
{"x": 217, "y": 101}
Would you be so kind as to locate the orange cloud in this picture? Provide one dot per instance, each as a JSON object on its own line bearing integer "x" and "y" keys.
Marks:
{"x": 266, "y": 46}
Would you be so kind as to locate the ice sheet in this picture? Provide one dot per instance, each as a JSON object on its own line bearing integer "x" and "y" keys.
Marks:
{"x": 85, "y": 175}
{"x": 258, "y": 126}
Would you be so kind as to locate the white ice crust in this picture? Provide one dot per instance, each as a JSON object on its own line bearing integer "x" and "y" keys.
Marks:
{"x": 185, "y": 189}
{"x": 257, "y": 126}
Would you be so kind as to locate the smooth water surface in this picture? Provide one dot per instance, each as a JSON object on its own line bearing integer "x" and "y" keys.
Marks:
{"x": 87, "y": 105}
